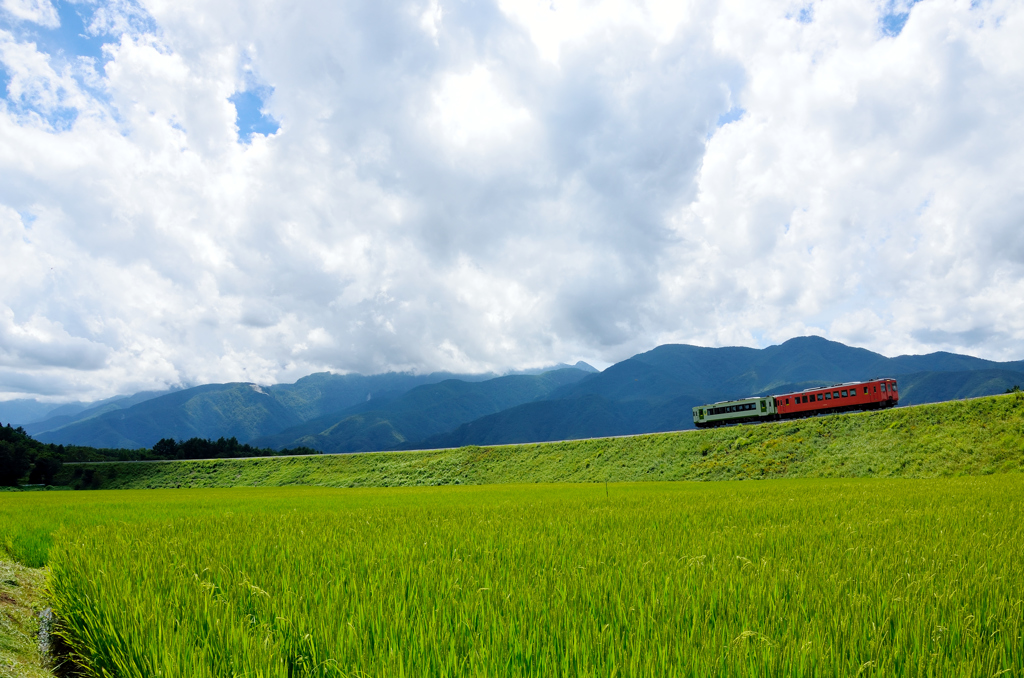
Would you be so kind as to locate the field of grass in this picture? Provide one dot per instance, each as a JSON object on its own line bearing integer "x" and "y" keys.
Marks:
{"x": 834, "y": 577}
{"x": 974, "y": 437}
{"x": 898, "y": 554}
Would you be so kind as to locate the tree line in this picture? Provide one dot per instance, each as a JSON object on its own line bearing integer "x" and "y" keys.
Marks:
{"x": 25, "y": 459}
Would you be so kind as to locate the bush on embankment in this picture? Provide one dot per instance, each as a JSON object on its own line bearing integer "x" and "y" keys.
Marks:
{"x": 974, "y": 437}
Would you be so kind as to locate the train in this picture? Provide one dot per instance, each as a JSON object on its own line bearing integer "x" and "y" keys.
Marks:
{"x": 873, "y": 394}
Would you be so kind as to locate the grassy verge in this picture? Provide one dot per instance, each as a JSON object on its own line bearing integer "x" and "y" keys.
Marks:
{"x": 975, "y": 437}
{"x": 21, "y": 599}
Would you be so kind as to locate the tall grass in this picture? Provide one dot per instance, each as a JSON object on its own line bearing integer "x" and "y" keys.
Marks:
{"x": 796, "y": 578}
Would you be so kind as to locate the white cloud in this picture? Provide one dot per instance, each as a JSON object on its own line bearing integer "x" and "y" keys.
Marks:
{"x": 39, "y": 12}
{"x": 473, "y": 115}
{"x": 473, "y": 187}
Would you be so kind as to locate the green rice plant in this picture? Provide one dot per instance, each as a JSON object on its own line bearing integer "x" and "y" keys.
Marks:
{"x": 791, "y": 577}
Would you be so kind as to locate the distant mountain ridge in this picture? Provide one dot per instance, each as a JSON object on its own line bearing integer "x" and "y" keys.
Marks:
{"x": 243, "y": 410}
{"x": 422, "y": 411}
{"x": 652, "y": 391}
{"x": 656, "y": 390}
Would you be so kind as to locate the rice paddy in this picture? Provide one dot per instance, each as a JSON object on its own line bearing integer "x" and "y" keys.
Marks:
{"x": 789, "y": 577}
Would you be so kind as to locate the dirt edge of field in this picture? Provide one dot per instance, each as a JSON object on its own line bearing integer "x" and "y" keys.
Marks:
{"x": 21, "y": 602}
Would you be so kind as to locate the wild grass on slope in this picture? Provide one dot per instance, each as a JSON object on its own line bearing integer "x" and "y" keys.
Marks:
{"x": 794, "y": 577}
{"x": 973, "y": 437}
{"x": 21, "y": 600}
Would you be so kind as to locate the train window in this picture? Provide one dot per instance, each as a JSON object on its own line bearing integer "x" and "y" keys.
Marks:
{"x": 787, "y": 401}
{"x": 865, "y": 390}
{"x": 883, "y": 388}
{"x": 805, "y": 399}
{"x": 876, "y": 389}
{"x": 835, "y": 394}
{"x": 844, "y": 392}
{"x": 828, "y": 396}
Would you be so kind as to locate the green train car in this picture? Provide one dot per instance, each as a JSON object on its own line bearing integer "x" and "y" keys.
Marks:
{"x": 735, "y": 412}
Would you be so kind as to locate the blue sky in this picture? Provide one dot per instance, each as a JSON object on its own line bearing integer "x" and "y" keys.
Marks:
{"x": 197, "y": 192}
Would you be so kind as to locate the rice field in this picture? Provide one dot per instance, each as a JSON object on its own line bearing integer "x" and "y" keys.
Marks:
{"x": 791, "y": 577}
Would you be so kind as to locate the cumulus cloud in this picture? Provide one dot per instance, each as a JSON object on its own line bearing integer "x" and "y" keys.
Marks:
{"x": 483, "y": 186}
{"x": 39, "y": 12}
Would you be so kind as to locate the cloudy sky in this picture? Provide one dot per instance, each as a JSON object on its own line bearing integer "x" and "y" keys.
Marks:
{"x": 197, "y": 192}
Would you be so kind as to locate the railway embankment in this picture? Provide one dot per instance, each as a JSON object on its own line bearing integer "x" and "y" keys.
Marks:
{"x": 971, "y": 437}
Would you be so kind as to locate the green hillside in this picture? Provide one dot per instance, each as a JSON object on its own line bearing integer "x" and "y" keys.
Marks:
{"x": 973, "y": 437}
{"x": 241, "y": 410}
{"x": 423, "y": 411}
{"x": 587, "y": 416}
{"x": 930, "y": 387}
{"x": 667, "y": 371}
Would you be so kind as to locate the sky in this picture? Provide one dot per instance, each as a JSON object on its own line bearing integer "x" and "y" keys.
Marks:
{"x": 196, "y": 192}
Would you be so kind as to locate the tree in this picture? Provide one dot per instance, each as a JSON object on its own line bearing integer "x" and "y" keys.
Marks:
{"x": 16, "y": 454}
{"x": 45, "y": 467}
{"x": 165, "y": 448}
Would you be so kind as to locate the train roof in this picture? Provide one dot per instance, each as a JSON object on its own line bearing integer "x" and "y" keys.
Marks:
{"x": 735, "y": 400}
{"x": 846, "y": 383}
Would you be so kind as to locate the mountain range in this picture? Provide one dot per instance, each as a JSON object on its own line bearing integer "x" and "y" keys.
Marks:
{"x": 652, "y": 391}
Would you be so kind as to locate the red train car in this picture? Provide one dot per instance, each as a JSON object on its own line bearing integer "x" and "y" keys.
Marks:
{"x": 861, "y": 395}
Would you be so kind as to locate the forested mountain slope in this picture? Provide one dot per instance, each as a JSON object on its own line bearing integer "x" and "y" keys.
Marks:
{"x": 423, "y": 411}
{"x": 242, "y": 410}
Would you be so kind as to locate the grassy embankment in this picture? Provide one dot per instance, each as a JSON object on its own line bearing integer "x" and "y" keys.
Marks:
{"x": 809, "y": 577}
{"x": 974, "y": 437}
